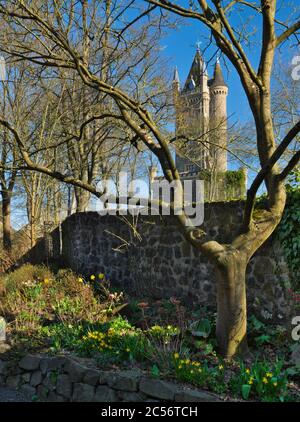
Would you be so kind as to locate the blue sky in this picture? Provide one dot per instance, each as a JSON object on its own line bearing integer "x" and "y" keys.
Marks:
{"x": 180, "y": 46}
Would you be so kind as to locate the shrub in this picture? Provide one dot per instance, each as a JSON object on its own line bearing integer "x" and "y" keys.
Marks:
{"x": 34, "y": 296}
{"x": 26, "y": 275}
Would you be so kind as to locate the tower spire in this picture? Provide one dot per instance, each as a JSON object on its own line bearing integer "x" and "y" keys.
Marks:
{"x": 176, "y": 76}
{"x": 218, "y": 79}
{"x": 196, "y": 70}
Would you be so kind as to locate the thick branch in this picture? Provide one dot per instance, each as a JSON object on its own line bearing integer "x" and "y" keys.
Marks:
{"x": 290, "y": 166}
{"x": 286, "y": 34}
{"x": 251, "y": 194}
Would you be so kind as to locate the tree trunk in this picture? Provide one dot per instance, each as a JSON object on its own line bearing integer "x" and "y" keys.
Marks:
{"x": 6, "y": 214}
{"x": 231, "y": 327}
{"x": 32, "y": 231}
{"x": 82, "y": 199}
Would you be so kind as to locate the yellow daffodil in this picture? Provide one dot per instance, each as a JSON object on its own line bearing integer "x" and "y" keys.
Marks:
{"x": 176, "y": 355}
{"x": 80, "y": 280}
{"x": 221, "y": 367}
{"x": 247, "y": 371}
{"x": 92, "y": 277}
{"x": 269, "y": 374}
{"x": 101, "y": 276}
{"x": 46, "y": 281}
{"x": 265, "y": 380}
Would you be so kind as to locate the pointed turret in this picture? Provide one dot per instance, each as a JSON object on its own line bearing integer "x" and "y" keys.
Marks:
{"x": 218, "y": 79}
{"x": 176, "y": 76}
{"x": 195, "y": 72}
{"x": 176, "y": 83}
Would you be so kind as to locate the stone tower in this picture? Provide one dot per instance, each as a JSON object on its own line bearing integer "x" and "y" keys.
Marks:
{"x": 218, "y": 119}
{"x": 201, "y": 119}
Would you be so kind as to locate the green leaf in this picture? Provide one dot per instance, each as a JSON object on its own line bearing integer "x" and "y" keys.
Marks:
{"x": 201, "y": 328}
{"x": 155, "y": 372}
{"x": 264, "y": 338}
{"x": 246, "y": 388}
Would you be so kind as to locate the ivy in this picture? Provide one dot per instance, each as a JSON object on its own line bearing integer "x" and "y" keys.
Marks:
{"x": 235, "y": 178}
{"x": 288, "y": 231}
{"x": 231, "y": 178}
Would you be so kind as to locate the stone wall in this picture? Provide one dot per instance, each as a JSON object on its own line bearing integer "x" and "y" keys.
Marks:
{"x": 149, "y": 256}
{"x": 66, "y": 379}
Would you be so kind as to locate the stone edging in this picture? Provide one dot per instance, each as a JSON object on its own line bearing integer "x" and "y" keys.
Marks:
{"x": 66, "y": 379}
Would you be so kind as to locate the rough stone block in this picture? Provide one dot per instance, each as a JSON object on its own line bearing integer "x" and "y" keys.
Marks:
{"x": 159, "y": 389}
{"x": 195, "y": 396}
{"x": 55, "y": 398}
{"x": 75, "y": 370}
{"x": 83, "y": 393}
{"x": 28, "y": 390}
{"x": 104, "y": 377}
{"x": 42, "y": 392}
{"x": 36, "y": 378}
{"x": 50, "y": 381}
{"x": 30, "y": 362}
{"x": 125, "y": 380}
{"x": 64, "y": 386}
{"x": 105, "y": 394}
{"x": 52, "y": 363}
{"x": 13, "y": 381}
{"x": 131, "y": 397}
{"x": 91, "y": 377}
{"x": 3, "y": 367}
{"x": 26, "y": 377}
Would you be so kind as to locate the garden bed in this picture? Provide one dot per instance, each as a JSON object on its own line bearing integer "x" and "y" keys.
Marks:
{"x": 66, "y": 314}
